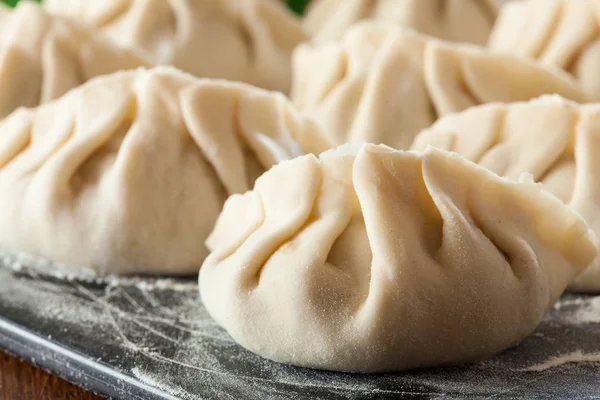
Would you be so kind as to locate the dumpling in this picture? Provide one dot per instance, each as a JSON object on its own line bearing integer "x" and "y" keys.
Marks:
{"x": 553, "y": 139}
{"x": 249, "y": 40}
{"x": 129, "y": 172}
{"x": 457, "y": 20}
{"x": 370, "y": 259}
{"x": 384, "y": 85}
{"x": 559, "y": 33}
{"x": 42, "y": 57}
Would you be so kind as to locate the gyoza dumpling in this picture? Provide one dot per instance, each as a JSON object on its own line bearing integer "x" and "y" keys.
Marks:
{"x": 370, "y": 259}
{"x": 244, "y": 40}
{"x": 42, "y": 57}
{"x": 559, "y": 33}
{"x": 384, "y": 85}
{"x": 458, "y": 20}
{"x": 553, "y": 139}
{"x": 129, "y": 172}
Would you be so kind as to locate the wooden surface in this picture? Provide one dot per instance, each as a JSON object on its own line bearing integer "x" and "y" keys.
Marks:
{"x": 20, "y": 380}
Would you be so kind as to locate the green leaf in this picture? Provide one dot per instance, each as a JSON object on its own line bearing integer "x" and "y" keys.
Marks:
{"x": 298, "y": 6}
{"x": 12, "y": 3}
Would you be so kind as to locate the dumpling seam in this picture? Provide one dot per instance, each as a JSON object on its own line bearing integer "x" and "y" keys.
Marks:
{"x": 577, "y": 119}
{"x": 285, "y": 241}
{"x": 342, "y": 77}
{"x": 117, "y": 12}
{"x": 497, "y": 135}
{"x": 234, "y": 246}
{"x": 550, "y": 32}
{"x": 22, "y": 149}
{"x": 576, "y": 56}
{"x": 487, "y": 10}
{"x": 65, "y": 139}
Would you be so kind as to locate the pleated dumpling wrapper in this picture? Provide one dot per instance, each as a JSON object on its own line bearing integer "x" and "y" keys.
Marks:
{"x": 553, "y": 139}
{"x": 371, "y": 259}
{"x": 248, "y": 40}
{"x": 457, "y": 20}
{"x": 559, "y": 33}
{"x": 43, "y": 56}
{"x": 384, "y": 85}
{"x": 128, "y": 173}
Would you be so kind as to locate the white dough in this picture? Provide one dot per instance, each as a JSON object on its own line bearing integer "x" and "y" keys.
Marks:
{"x": 370, "y": 259}
{"x": 559, "y": 33}
{"x": 457, "y": 20}
{"x": 128, "y": 173}
{"x": 43, "y": 56}
{"x": 555, "y": 140}
{"x": 381, "y": 84}
{"x": 241, "y": 40}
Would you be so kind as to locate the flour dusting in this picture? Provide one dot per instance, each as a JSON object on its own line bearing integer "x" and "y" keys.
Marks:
{"x": 158, "y": 332}
{"x": 574, "y": 357}
{"x": 588, "y": 311}
{"x": 151, "y": 380}
{"x": 36, "y": 266}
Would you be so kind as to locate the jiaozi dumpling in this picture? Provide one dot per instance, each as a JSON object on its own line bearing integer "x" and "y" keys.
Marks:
{"x": 129, "y": 172}
{"x": 384, "y": 85}
{"x": 370, "y": 259}
{"x": 553, "y": 139}
{"x": 43, "y": 56}
{"x": 458, "y": 20}
{"x": 242, "y": 40}
{"x": 559, "y": 33}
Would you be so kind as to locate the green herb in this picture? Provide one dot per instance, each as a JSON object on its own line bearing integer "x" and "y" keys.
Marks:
{"x": 298, "y": 6}
{"x": 12, "y": 3}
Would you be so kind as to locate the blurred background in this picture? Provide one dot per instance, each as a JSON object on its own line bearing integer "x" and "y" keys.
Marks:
{"x": 12, "y": 2}
{"x": 298, "y": 6}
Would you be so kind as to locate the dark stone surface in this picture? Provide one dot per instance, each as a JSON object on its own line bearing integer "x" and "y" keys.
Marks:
{"x": 135, "y": 338}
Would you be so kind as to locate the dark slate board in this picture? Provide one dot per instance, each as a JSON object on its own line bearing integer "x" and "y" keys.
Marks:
{"x": 134, "y": 338}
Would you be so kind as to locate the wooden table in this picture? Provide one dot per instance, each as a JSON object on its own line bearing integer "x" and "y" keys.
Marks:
{"x": 20, "y": 380}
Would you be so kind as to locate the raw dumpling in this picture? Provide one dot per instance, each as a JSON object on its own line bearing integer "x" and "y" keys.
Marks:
{"x": 458, "y": 20}
{"x": 129, "y": 172}
{"x": 559, "y": 33}
{"x": 384, "y": 85}
{"x": 42, "y": 57}
{"x": 553, "y": 139}
{"x": 371, "y": 259}
{"x": 242, "y": 40}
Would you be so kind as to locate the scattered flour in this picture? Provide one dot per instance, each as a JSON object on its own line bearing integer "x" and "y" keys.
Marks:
{"x": 589, "y": 312}
{"x": 19, "y": 261}
{"x": 157, "y": 331}
{"x": 574, "y": 357}
{"x": 37, "y": 266}
{"x": 580, "y": 310}
{"x": 150, "y": 380}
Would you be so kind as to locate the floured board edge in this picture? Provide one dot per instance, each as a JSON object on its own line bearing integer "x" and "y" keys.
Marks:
{"x": 73, "y": 367}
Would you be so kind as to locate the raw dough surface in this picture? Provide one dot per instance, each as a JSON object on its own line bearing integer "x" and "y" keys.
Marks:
{"x": 370, "y": 259}
{"x": 457, "y": 20}
{"x": 128, "y": 173}
{"x": 241, "y": 40}
{"x": 382, "y": 84}
{"x": 43, "y": 56}
{"x": 563, "y": 34}
{"x": 555, "y": 140}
